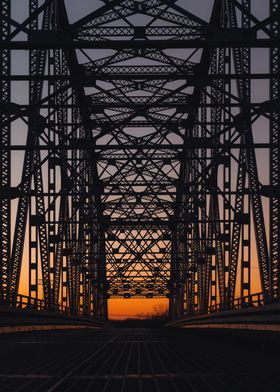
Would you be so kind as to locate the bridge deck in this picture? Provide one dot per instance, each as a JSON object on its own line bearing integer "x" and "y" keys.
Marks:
{"x": 138, "y": 360}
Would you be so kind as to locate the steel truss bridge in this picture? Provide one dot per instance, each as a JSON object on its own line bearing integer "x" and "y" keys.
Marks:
{"x": 140, "y": 155}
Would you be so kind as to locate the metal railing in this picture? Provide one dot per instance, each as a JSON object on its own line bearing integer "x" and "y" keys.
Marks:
{"x": 249, "y": 301}
{"x": 30, "y": 303}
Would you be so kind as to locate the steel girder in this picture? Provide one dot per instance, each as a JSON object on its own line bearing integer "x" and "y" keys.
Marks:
{"x": 5, "y": 14}
{"x": 141, "y": 168}
{"x": 274, "y": 160}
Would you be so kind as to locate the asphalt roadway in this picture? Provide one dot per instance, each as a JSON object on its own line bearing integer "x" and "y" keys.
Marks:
{"x": 132, "y": 360}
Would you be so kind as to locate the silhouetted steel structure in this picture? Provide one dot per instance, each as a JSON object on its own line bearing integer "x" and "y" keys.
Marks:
{"x": 140, "y": 154}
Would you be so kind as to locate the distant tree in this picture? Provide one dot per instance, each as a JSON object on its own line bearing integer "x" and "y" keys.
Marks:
{"x": 160, "y": 312}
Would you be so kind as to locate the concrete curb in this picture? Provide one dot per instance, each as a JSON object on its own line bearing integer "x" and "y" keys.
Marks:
{"x": 248, "y": 327}
{"x": 31, "y": 328}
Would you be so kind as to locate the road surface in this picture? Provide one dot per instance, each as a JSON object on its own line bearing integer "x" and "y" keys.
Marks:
{"x": 132, "y": 360}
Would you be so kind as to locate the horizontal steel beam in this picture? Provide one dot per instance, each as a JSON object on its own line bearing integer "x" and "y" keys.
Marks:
{"x": 87, "y": 79}
{"x": 140, "y": 44}
{"x": 124, "y": 147}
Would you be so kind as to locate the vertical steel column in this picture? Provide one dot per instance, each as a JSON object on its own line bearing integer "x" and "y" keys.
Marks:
{"x": 217, "y": 95}
{"x": 204, "y": 285}
{"x": 61, "y": 261}
{"x": 275, "y": 158}
{"x": 244, "y": 127}
{"x": 246, "y": 226}
{"x": 5, "y": 154}
{"x": 51, "y": 175}
{"x": 38, "y": 246}
{"x": 74, "y": 211}
{"x": 196, "y": 232}
{"x": 34, "y": 94}
{"x": 241, "y": 234}
{"x": 227, "y": 168}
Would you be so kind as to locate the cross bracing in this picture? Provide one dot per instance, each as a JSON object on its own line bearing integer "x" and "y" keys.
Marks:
{"x": 142, "y": 158}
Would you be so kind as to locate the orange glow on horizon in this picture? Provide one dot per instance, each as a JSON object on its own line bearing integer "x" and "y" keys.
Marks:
{"x": 124, "y": 308}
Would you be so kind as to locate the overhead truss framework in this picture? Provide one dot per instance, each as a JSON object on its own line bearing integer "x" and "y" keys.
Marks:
{"x": 139, "y": 153}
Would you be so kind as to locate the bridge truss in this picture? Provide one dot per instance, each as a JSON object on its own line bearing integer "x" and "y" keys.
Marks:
{"x": 139, "y": 153}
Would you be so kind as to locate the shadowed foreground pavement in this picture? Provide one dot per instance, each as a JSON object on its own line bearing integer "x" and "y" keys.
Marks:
{"x": 139, "y": 360}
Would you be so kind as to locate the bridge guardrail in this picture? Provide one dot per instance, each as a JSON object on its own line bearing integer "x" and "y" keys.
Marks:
{"x": 29, "y": 303}
{"x": 252, "y": 300}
